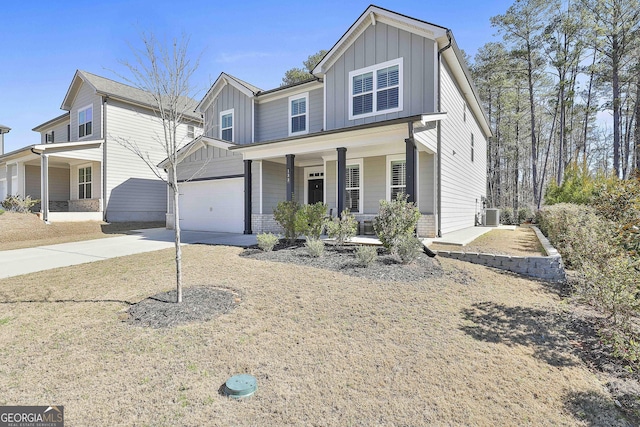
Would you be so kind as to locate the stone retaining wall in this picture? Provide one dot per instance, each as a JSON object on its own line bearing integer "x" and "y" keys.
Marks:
{"x": 548, "y": 267}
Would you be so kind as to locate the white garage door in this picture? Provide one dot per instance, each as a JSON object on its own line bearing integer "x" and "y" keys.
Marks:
{"x": 216, "y": 205}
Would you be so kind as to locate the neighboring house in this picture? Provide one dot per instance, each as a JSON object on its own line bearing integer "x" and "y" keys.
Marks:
{"x": 80, "y": 170}
{"x": 391, "y": 109}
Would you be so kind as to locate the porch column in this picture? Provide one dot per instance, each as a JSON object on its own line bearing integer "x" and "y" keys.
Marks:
{"x": 342, "y": 179}
{"x": 412, "y": 175}
{"x": 247, "y": 197}
{"x": 290, "y": 177}
{"x": 44, "y": 186}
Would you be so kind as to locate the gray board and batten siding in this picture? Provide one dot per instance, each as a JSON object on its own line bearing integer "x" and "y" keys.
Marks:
{"x": 230, "y": 98}
{"x": 378, "y": 44}
{"x": 272, "y": 117}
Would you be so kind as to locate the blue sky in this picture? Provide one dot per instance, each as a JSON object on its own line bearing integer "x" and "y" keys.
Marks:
{"x": 43, "y": 42}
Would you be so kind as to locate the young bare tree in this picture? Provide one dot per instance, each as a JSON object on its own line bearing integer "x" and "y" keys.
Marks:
{"x": 165, "y": 74}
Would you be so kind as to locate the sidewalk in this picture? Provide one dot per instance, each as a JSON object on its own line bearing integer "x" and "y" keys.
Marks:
{"x": 23, "y": 261}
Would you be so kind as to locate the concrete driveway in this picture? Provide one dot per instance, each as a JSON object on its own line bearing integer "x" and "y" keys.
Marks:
{"x": 30, "y": 260}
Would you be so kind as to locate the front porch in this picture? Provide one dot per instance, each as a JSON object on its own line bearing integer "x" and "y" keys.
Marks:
{"x": 65, "y": 177}
{"x": 352, "y": 170}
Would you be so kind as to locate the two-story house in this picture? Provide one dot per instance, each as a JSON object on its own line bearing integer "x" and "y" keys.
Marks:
{"x": 81, "y": 170}
{"x": 391, "y": 109}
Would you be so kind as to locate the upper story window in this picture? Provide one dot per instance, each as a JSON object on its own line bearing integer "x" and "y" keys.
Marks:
{"x": 85, "y": 122}
{"x": 226, "y": 125}
{"x": 298, "y": 114}
{"x": 84, "y": 183}
{"x": 376, "y": 89}
{"x": 191, "y": 131}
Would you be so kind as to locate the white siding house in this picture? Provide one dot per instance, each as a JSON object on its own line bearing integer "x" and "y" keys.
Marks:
{"x": 81, "y": 170}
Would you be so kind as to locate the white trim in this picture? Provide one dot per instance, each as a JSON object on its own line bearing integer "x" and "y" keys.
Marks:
{"x": 307, "y": 171}
{"x": 292, "y": 98}
{"x": 233, "y": 123}
{"x": 253, "y": 120}
{"x": 290, "y": 91}
{"x": 260, "y": 186}
{"x": 324, "y": 104}
{"x": 360, "y": 164}
{"x": 82, "y": 166}
{"x": 391, "y": 158}
{"x": 78, "y": 122}
{"x": 373, "y": 69}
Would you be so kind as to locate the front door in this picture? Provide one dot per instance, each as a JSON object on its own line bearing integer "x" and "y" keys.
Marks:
{"x": 316, "y": 191}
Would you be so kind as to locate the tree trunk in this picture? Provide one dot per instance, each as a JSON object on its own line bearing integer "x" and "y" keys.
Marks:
{"x": 637, "y": 128}
{"x": 534, "y": 145}
{"x": 588, "y": 108}
{"x": 615, "y": 71}
{"x": 176, "y": 228}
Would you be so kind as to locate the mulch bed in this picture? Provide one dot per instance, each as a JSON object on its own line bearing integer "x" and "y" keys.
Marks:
{"x": 386, "y": 268}
{"x": 198, "y": 305}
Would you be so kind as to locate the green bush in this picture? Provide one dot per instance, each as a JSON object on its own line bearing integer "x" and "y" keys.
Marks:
{"x": 343, "y": 228}
{"x": 524, "y": 215}
{"x": 366, "y": 255}
{"x": 506, "y": 216}
{"x": 407, "y": 249}
{"x": 315, "y": 247}
{"x": 266, "y": 241}
{"x": 397, "y": 219}
{"x": 18, "y": 204}
{"x": 285, "y": 215}
{"x": 578, "y": 187}
{"x": 310, "y": 219}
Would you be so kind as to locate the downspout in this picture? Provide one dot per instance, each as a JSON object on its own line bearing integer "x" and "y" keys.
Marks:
{"x": 439, "y": 142}
{"x": 104, "y": 158}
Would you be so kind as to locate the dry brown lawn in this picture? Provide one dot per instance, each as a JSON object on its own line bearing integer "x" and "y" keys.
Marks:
{"x": 19, "y": 231}
{"x": 519, "y": 242}
{"x": 474, "y": 347}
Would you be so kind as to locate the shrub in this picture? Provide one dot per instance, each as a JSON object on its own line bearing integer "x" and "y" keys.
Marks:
{"x": 18, "y": 204}
{"x": 285, "y": 215}
{"x": 396, "y": 219}
{"x": 310, "y": 219}
{"x": 266, "y": 241}
{"x": 315, "y": 247}
{"x": 407, "y": 249}
{"x": 343, "y": 228}
{"x": 524, "y": 215}
{"x": 366, "y": 255}
{"x": 506, "y": 216}
{"x": 578, "y": 187}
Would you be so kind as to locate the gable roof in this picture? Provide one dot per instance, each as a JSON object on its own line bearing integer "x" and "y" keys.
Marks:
{"x": 103, "y": 86}
{"x": 56, "y": 120}
{"x": 443, "y": 36}
{"x": 223, "y": 80}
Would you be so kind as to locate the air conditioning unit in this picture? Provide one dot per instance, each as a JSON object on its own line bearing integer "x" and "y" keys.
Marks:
{"x": 492, "y": 217}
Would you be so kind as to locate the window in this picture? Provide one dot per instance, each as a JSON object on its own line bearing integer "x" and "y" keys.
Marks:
{"x": 464, "y": 112}
{"x": 84, "y": 183}
{"x": 376, "y": 89}
{"x": 191, "y": 131}
{"x": 298, "y": 116}
{"x": 397, "y": 176}
{"x": 226, "y": 125}
{"x": 85, "y": 122}
{"x": 472, "y": 147}
{"x": 353, "y": 188}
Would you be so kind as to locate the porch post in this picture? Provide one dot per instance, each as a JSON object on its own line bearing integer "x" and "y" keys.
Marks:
{"x": 412, "y": 176}
{"x": 247, "y": 197}
{"x": 342, "y": 179}
{"x": 44, "y": 186}
{"x": 290, "y": 176}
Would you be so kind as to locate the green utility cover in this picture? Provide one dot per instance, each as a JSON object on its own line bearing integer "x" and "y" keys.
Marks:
{"x": 243, "y": 385}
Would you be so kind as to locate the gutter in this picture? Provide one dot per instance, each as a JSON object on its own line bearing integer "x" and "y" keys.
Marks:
{"x": 439, "y": 141}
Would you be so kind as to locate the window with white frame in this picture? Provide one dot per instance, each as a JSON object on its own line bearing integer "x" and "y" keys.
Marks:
{"x": 191, "y": 132}
{"x": 84, "y": 182}
{"x": 226, "y": 125}
{"x": 376, "y": 89}
{"x": 85, "y": 122}
{"x": 353, "y": 187}
{"x": 397, "y": 177}
{"x": 298, "y": 116}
